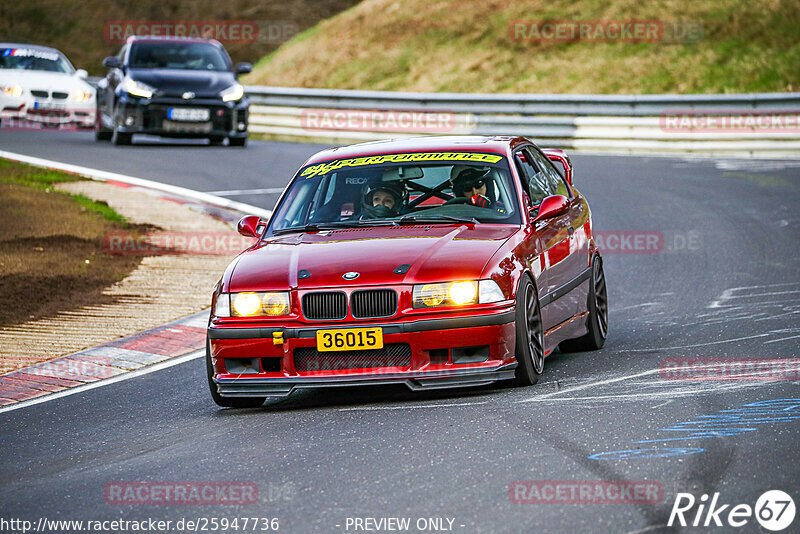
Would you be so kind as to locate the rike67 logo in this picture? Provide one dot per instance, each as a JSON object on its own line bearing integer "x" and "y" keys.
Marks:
{"x": 774, "y": 510}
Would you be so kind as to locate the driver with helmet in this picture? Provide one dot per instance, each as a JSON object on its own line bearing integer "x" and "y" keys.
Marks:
{"x": 473, "y": 183}
{"x": 382, "y": 200}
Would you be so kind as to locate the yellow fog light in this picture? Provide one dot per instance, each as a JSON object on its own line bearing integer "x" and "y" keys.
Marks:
{"x": 246, "y": 304}
{"x": 276, "y": 303}
{"x": 432, "y": 294}
{"x": 463, "y": 292}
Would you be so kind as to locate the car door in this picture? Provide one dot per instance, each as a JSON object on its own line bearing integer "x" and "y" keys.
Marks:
{"x": 564, "y": 255}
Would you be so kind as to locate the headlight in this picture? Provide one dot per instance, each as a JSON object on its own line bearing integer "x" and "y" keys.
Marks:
{"x": 251, "y": 304}
{"x": 81, "y": 96}
{"x": 135, "y": 88}
{"x": 13, "y": 90}
{"x": 458, "y": 293}
{"x": 232, "y": 93}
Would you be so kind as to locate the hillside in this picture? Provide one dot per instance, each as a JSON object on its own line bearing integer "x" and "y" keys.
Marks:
{"x": 81, "y": 29}
{"x": 702, "y": 46}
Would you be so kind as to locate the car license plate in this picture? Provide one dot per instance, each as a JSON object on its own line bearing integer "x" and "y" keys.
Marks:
{"x": 350, "y": 339}
{"x": 188, "y": 114}
{"x": 49, "y": 105}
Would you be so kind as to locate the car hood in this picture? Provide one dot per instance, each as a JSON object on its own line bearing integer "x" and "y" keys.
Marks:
{"x": 175, "y": 82}
{"x": 434, "y": 254}
{"x": 44, "y": 80}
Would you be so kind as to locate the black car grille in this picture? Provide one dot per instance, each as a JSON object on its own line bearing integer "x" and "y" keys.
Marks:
{"x": 39, "y": 94}
{"x": 372, "y": 303}
{"x": 392, "y": 355}
{"x": 325, "y": 305}
{"x": 60, "y": 96}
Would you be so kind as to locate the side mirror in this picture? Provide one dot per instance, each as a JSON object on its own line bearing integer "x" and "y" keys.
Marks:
{"x": 82, "y": 74}
{"x": 243, "y": 68}
{"x": 112, "y": 62}
{"x": 559, "y": 156}
{"x": 552, "y": 206}
{"x": 251, "y": 226}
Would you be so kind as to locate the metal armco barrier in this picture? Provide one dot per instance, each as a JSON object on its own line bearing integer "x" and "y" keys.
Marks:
{"x": 738, "y": 124}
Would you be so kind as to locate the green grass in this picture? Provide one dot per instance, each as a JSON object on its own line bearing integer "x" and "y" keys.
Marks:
{"x": 43, "y": 179}
{"x": 456, "y": 46}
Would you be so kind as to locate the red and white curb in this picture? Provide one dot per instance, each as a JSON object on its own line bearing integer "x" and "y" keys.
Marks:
{"x": 106, "y": 361}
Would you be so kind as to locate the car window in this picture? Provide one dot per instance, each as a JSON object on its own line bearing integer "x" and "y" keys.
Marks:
{"x": 354, "y": 191}
{"x": 184, "y": 56}
{"x": 546, "y": 180}
{"x": 34, "y": 59}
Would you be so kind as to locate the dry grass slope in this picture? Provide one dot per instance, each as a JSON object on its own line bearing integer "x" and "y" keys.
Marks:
{"x": 465, "y": 46}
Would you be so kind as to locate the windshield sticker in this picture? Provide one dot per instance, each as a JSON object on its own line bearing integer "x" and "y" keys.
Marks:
{"x": 29, "y": 52}
{"x": 325, "y": 168}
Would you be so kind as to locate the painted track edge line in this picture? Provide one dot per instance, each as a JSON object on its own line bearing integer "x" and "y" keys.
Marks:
{"x": 97, "y": 174}
{"x": 105, "y": 382}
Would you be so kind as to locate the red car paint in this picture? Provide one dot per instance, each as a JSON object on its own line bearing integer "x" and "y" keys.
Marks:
{"x": 555, "y": 252}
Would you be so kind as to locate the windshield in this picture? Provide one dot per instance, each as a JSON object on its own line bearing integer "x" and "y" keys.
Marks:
{"x": 34, "y": 59}
{"x": 430, "y": 187}
{"x": 185, "y": 56}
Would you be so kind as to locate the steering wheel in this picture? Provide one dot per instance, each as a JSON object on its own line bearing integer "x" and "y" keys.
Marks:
{"x": 456, "y": 200}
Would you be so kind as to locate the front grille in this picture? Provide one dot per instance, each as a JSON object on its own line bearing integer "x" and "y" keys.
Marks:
{"x": 325, "y": 305}
{"x": 372, "y": 303}
{"x": 392, "y": 355}
{"x": 39, "y": 94}
{"x": 60, "y": 96}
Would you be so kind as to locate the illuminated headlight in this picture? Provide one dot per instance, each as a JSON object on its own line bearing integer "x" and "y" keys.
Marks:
{"x": 458, "y": 293}
{"x": 81, "y": 96}
{"x": 232, "y": 93}
{"x": 13, "y": 90}
{"x": 135, "y": 88}
{"x": 251, "y": 304}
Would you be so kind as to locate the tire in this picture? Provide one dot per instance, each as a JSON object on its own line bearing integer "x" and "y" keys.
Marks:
{"x": 237, "y": 141}
{"x": 216, "y": 141}
{"x": 227, "y": 402}
{"x": 121, "y": 138}
{"x": 530, "y": 335}
{"x": 597, "y": 320}
{"x": 103, "y": 135}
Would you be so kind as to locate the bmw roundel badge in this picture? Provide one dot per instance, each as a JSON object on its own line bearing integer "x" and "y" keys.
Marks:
{"x": 350, "y": 276}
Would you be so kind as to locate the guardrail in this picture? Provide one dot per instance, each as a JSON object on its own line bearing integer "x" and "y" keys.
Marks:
{"x": 742, "y": 124}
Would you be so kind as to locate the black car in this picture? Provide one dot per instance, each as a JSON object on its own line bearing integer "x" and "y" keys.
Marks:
{"x": 172, "y": 87}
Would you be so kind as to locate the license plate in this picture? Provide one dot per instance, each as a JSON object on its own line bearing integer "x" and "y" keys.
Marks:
{"x": 186, "y": 127}
{"x": 350, "y": 339}
{"x": 188, "y": 114}
{"x": 49, "y": 105}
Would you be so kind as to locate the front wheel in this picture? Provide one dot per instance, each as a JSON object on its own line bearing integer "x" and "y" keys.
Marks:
{"x": 530, "y": 335}
{"x": 121, "y": 138}
{"x": 237, "y": 141}
{"x": 227, "y": 402}
{"x": 597, "y": 320}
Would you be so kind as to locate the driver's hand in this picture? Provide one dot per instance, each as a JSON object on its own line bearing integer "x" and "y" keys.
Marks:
{"x": 480, "y": 201}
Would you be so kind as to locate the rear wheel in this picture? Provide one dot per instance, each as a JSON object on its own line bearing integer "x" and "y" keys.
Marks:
{"x": 597, "y": 320}
{"x": 530, "y": 335}
{"x": 227, "y": 402}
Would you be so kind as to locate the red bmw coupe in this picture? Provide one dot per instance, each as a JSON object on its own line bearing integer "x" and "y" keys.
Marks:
{"x": 434, "y": 262}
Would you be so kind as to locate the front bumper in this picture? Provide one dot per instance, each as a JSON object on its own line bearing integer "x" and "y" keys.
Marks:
{"x": 150, "y": 116}
{"x": 32, "y": 113}
{"x": 443, "y": 353}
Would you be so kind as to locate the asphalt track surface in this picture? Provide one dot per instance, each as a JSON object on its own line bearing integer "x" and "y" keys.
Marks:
{"x": 724, "y": 284}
